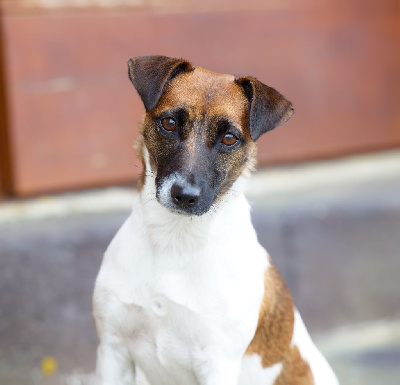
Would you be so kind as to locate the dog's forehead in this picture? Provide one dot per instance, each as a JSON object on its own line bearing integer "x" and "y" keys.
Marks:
{"x": 205, "y": 93}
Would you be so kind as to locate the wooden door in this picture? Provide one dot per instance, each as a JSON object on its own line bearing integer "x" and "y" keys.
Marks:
{"x": 73, "y": 114}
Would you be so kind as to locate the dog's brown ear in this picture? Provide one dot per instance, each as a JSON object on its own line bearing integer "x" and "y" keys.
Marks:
{"x": 151, "y": 74}
{"x": 268, "y": 108}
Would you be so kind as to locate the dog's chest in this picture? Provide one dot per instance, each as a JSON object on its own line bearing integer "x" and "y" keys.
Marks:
{"x": 162, "y": 336}
{"x": 176, "y": 317}
{"x": 178, "y": 310}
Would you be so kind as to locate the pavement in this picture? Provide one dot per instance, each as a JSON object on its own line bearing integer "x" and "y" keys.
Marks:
{"x": 332, "y": 228}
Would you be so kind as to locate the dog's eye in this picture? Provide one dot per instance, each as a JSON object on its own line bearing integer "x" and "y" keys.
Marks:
{"x": 229, "y": 139}
{"x": 168, "y": 124}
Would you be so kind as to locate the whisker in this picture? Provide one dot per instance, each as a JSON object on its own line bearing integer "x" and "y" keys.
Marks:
{"x": 141, "y": 174}
{"x": 233, "y": 193}
{"x": 147, "y": 171}
{"x": 149, "y": 201}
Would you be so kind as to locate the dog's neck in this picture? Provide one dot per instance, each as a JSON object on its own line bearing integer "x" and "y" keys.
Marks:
{"x": 169, "y": 230}
{"x": 172, "y": 231}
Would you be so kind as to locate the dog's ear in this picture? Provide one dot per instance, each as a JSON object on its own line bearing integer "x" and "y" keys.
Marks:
{"x": 151, "y": 74}
{"x": 268, "y": 108}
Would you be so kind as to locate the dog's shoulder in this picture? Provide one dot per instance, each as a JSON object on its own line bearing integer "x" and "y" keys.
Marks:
{"x": 275, "y": 322}
{"x": 281, "y": 340}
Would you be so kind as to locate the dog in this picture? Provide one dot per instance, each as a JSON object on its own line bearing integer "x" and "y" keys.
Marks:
{"x": 185, "y": 294}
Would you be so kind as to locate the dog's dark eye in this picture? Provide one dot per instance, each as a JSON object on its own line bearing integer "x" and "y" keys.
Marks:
{"x": 229, "y": 139}
{"x": 168, "y": 124}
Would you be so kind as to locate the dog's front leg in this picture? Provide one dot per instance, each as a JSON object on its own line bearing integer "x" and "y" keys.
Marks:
{"x": 114, "y": 365}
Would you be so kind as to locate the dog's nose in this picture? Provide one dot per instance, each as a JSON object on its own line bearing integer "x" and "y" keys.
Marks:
{"x": 185, "y": 195}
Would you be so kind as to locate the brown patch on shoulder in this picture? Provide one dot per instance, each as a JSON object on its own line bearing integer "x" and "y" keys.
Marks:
{"x": 275, "y": 324}
{"x": 273, "y": 336}
{"x": 295, "y": 370}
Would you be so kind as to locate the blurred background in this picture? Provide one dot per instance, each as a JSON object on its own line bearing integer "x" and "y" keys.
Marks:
{"x": 326, "y": 198}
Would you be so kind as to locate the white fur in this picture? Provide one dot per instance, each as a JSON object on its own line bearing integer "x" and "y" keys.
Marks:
{"x": 252, "y": 372}
{"x": 179, "y": 295}
{"x": 177, "y": 298}
{"x": 322, "y": 372}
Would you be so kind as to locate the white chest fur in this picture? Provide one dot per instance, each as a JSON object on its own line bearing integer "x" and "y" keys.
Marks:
{"x": 178, "y": 296}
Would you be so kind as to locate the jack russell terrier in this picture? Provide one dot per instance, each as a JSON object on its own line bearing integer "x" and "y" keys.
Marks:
{"x": 186, "y": 295}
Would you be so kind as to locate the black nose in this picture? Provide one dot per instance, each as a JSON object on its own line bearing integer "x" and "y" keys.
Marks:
{"x": 184, "y": 195}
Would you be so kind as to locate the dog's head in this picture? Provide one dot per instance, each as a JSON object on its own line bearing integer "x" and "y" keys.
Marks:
{"x": 200, "y": 128}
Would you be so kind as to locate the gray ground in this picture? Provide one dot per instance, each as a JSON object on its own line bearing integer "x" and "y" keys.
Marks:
{"x": 332, "y": 228}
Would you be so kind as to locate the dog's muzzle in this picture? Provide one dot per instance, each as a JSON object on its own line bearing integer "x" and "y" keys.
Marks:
{"x": 184, "y": 195}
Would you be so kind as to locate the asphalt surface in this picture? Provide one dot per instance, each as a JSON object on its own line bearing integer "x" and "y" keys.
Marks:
{"x": 332, "y": 228}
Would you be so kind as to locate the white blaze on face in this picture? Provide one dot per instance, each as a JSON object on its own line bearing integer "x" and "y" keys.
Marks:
{"x": 164, "y": 192}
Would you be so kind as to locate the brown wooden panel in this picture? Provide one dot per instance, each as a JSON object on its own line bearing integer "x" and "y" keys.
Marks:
{"x": 74, "y": 113}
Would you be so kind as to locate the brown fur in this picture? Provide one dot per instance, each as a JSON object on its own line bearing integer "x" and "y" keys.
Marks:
{"x": 205, "y": 95}
{"x": 206, "y": 92}
{"x": 272, "y": 340}
{"x": 275, "y": 324}
{"x": 295, "y": 370}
